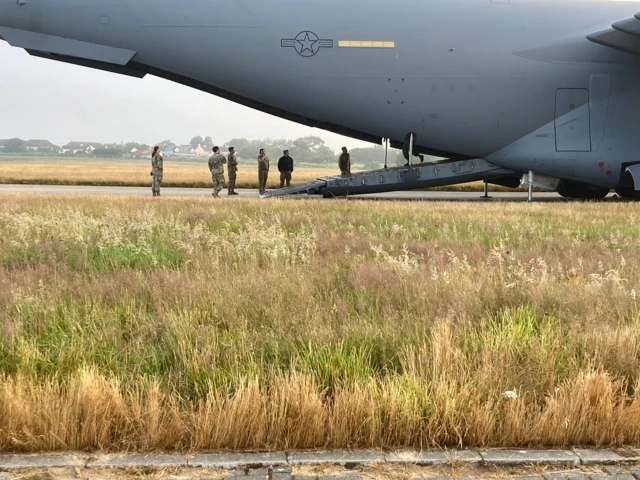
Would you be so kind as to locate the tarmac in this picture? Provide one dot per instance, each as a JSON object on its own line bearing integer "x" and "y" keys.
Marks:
{"x": 569, "y": 464}
{"x": 247, "y": 193}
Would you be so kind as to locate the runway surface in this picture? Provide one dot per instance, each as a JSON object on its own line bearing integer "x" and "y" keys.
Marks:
{"x": 245, "y": 193}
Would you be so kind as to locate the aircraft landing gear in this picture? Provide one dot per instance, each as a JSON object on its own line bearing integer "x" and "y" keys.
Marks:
{"x": 627, "y": 193}
{"x": 581, "y": 191}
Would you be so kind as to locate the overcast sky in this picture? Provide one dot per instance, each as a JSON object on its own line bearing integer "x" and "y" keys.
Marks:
{"x": 42, "y": 99}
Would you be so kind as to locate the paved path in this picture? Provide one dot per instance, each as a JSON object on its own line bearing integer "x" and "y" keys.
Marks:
{"x": 246, "y": 193}
{"x": 577, "y": 464}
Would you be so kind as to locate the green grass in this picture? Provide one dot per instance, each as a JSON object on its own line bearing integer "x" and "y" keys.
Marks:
{"x": 180, "y": 324}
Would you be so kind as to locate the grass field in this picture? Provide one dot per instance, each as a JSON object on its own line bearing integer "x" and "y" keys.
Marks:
{"x": 78, "y": 171}
{"x": 118, "y": 172}
{"x": 134, "y": 324}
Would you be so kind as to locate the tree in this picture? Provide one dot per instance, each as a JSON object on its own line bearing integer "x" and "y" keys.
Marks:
{"x": 166, "y": 144}
{"x": 138, "y": 146}
{"x": 14, "y": 145}
{"x": 371, "y": 158}
{"x": 195, "y": 141}
{"x": 208, "y": 141}
{"x": 108, "y": 152}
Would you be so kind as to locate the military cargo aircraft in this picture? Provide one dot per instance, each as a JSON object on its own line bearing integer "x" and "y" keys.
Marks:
{"x": 499, "y": 88}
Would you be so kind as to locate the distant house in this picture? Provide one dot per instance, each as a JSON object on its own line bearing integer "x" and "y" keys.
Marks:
{"x": 142, "y": 153}
{"x": 2, "y": 142}
{"x": 184, "y": 151}
{"x": 203, "y": 150}
{"x": 39, "y": 145}
{"x": 80, "y": 147}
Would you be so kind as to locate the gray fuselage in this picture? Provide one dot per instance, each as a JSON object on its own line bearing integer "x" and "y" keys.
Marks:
{"x": 516, "y": 82}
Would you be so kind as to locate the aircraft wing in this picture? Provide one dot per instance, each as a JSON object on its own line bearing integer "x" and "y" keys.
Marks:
{"x": 623, "y": 35}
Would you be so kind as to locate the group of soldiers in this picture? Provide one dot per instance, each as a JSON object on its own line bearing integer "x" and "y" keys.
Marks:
{"x": 217, "y": 161}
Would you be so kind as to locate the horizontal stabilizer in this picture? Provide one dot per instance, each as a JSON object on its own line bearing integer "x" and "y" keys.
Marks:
{"x": 623, "y": 36}
{"x": 65, "y": 46}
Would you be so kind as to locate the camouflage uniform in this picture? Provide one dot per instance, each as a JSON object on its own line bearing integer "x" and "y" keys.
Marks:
{"x": 216, "y": 166}
{"x": 232, "y": 168}
{"x": 345, "y": 163}
{"x": 156, "y": 173}
{"x": 263, "y": 173}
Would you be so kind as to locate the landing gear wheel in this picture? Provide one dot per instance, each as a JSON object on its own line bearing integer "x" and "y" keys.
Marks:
{"x": 628, "y": 193}
{"x": 582, "y": 191}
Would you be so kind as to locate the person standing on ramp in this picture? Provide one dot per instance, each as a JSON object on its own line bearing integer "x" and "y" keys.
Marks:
{"x": 232, "y": 169}
{"x": 216, "y": 166}
{"x": 156, "y": 171}
{"x": 263, "y": 170}
{"x": 345, "y": 162}
{"x": 285, "y": 166}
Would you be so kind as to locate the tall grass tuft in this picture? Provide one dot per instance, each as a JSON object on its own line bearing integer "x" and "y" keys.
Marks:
{"x": 132, "y": 325}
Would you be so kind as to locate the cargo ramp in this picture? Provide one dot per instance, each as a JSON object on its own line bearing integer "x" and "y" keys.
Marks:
{"x": 414, "y": 177}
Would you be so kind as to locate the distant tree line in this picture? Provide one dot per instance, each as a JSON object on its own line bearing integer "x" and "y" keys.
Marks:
{"x": 310, "y": 150}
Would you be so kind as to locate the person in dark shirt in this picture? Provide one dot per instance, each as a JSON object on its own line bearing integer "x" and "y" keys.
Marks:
{"x": 285, "y": 167}
{"x": 406, "y": 146}
{"x": 344, "y": 162}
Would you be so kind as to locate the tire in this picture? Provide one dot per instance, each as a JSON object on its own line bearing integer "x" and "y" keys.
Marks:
{"x": 582, "y": 191}
{"x": 627, "y": 192}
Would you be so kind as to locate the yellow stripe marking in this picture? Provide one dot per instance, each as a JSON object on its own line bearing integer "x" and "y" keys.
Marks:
{"x": 365, "y": 44}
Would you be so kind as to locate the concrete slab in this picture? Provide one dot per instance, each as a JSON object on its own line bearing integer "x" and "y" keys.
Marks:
{"x": 336, "y": 458}
{"x": 17, "y": 462}
{"x": 463, "y": 456}
{"x": 249, "y": 473}
{"x": 138, "y": 460}
{"x": 594, "y": 457}
{"x": 555, "y": 476}
{"x": 523, "y": 457}
{"x": 614, "y": 470}
{"x": 230, "y": 461}
{"x": 341, "y": 476}
{"x": 257, "y": 472}
{"x": 281, "y": 473}
{"x": 418, "y": 458}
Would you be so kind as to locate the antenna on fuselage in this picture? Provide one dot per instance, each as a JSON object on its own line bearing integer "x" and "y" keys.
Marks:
{"x": 21, "y": 2}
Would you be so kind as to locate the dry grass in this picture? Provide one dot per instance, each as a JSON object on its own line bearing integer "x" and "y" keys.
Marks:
{"x": 192, "y": 173}
{"x": 132, "y": 324}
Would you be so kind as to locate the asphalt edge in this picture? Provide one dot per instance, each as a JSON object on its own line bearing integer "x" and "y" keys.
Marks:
{"x": 349, "y": 459}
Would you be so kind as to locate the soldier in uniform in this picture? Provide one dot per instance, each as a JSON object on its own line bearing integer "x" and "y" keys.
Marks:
{"x": 216, "y": 166}
{"x": 156, "y": 170}
{"x": 345, "y": 162}
{"x": 263, "y": 170}
{"x": 285, "y": 166}
{"x": 232, "y": 168}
